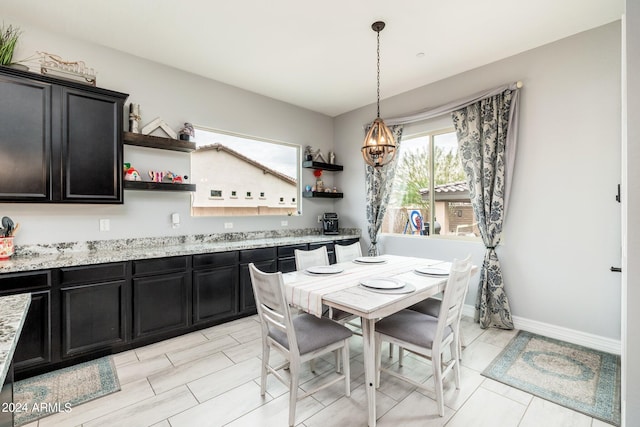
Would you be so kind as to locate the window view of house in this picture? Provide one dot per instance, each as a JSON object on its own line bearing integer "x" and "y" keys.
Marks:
{"x": 242, "y": 166}
{"x": 430, "y": 195}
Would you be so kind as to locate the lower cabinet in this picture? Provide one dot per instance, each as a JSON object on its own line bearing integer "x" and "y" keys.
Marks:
{"x": 287, "y": 257}
{"x": 215, "y": 287}
{"x": 93, "y": 317}
{"x": 265, "y": 259}
{"x": 34, "y": 345}
{"x": 160, "y": 304}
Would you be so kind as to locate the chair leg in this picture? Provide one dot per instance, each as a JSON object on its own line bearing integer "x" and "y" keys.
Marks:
{"x": 437, "y": 379}
{"x": 390, "y": 351}
{"x": 312, "y": 365}
{"x": 337, "y": 354}
{"x": 400, "y": 355}
{"x": 263, "y": 373}
{"x": 346, "y": 368}
{"x": 293, "y": 393}
{"x": 455, "y": 359}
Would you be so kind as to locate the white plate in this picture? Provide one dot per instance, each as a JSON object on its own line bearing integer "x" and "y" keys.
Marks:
{"x": 407, "y": 289}
{"x": 433, "y": 271}
{"x": 383, "y": 283}
{"x": 324, "y": 269}
{"x": 370, "y": 260}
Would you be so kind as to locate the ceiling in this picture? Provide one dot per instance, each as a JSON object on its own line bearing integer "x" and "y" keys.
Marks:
{"x": 318, "y": 55}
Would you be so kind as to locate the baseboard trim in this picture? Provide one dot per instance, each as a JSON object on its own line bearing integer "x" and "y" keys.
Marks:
{"x": 560, "y": 333}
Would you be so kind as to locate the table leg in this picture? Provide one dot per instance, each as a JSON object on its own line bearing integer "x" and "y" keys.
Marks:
{"x": 368, "y": 329}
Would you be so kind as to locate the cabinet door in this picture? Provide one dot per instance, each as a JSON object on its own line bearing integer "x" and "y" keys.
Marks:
{"x": 93, "y": 317}
{"x": 91, "y": 147}
{"x": 247, "y": 300}
{"x": 215, "y": 293}
{"x": 34, "y": 345}
{"x": 160, "y": 304}
{"x": 25, "y": 140}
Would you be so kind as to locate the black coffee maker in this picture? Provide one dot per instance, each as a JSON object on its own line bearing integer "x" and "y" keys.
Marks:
{"x": 330, "y": 223}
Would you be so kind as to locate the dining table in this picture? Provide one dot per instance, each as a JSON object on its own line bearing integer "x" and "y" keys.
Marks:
{"x": 371, "y": 288}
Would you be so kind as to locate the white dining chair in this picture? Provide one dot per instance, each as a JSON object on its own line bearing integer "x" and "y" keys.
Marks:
{"x": 312, "y": 258}
{"x": 428, "y": 336}
{"x": 298, "y": 339}
{"x": 345, "y": 253}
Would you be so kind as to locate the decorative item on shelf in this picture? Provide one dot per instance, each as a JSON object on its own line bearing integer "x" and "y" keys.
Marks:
{"x": 131, "y": 173}
{"x": 307, "y": 188}
{"x": 8, "y": 39}
{"x": 318, "y": 174}
{"x": 318, "y": 157}
{"x": 54, "y": 65}
{"x": 156, "y": 176}
{"x": 175, "y": 178}
{"x": 161, "y": 124}
{"x": 335, "y": 189}
{"x": 332, "y": 158}
{"x": 187, "y": 132}
{"x": 308, "y": 153}
{"x": 379, "y": 146}
{"x": 134, "y": 118}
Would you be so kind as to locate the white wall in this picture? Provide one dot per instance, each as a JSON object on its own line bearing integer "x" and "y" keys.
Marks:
{"x": 631, "y": 225}
{"x": 562, "y": 232}
{"x": 175, "y": 97}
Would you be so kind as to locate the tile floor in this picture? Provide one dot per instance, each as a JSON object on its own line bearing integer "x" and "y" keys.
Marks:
{"x": 211, "y": 378}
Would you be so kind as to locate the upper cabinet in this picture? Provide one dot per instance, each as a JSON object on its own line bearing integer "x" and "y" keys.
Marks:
{"x": 60, "y": 141}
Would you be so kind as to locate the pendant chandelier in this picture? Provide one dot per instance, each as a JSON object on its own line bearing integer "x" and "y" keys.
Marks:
{"x": 379, "y": 146}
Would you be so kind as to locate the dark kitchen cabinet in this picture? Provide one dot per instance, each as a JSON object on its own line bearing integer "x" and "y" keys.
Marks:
{"x": 94, "y": 308}
{"x": 61, "y": 140}
{"x": 264, "y": 259}
{"x": 287, "y": 257}
{"x": 215, "y": 287}
{"x": 35, "y": 344}
{"x": 161, "y": 292}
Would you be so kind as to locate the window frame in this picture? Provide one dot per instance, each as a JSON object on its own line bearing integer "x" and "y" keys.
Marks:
{"x": 431, "y": 134}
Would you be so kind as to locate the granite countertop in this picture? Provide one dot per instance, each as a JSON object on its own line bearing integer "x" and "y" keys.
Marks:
{"x": 68, "y": 254}
{"x": 13, "y": 311}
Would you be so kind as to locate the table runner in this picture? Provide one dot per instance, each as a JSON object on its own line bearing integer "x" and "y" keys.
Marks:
{"x": 306, "y": 291}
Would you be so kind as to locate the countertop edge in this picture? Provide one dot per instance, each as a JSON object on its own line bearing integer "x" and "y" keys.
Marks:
{"x": 19, "y": 306}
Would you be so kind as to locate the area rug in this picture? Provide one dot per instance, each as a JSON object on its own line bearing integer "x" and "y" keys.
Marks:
{"x": 60, "y": 390}
{"x": 570, "y": 375}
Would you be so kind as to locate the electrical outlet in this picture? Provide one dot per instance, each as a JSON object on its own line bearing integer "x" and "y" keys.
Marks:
{"x": 319, "y": 218}
{"x": 284, "y": 223}
{"x": 228, "y": 225}
{"x": 105, "y": 225}
{"x": 175, "y": 220}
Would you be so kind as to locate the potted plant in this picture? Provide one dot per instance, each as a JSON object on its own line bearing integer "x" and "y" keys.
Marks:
{"x": 8, "y": 39}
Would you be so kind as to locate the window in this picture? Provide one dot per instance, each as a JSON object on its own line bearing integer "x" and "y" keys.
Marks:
{"x": 425, "y": 206}
{"x": 216, "y": 193}
{"x": 236, "y": 163}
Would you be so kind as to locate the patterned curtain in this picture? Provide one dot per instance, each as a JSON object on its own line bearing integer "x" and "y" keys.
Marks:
{"x": 482, "y": 130}
{"x": 378, "y": 184}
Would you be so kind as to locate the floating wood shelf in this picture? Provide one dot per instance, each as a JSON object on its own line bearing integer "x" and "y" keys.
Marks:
{"x": 150, "y": 141}
{"x": 158, "y": 186}
{"x": 324, "y": 166}
{"x": 321, "y": 194}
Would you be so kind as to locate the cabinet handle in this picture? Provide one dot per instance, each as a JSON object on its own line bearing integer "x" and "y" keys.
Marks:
{"x": 616, "y": 269}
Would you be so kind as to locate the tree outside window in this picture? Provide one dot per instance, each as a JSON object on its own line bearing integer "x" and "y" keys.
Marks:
{"x": 415, "y": 193}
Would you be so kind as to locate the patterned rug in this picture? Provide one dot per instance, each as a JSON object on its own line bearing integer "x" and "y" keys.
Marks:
{"x": 570, "y": 375}
{"x": 60, "y": 390}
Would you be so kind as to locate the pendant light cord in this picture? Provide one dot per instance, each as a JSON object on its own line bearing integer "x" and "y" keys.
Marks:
{"x": 378, "y": 73}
